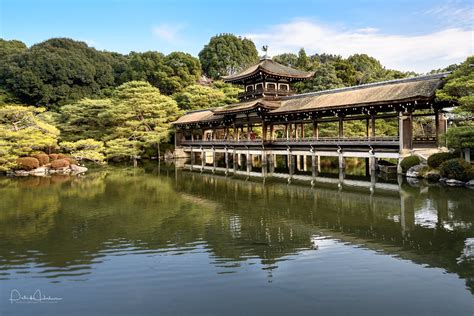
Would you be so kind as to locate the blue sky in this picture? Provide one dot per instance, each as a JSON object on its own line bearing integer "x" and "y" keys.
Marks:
{"x": 406, "y": 35}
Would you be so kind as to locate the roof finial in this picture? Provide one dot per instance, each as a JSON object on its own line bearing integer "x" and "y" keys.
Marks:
{"x": 265, "y": 50}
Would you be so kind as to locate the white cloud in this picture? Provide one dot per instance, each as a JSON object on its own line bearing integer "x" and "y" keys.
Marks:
{"x": 420, "y": 53}
{"x": 453, "y": 13}
{"x": 168, "y": 32}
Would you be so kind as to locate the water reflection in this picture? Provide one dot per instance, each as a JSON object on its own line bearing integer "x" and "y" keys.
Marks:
{"x": 59, "y": 228}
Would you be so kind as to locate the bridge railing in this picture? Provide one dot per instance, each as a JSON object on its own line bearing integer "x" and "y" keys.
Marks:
{"x": 390, "y": 140}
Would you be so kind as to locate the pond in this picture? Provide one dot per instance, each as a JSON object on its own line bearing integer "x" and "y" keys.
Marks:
{"x": 157, "y": 240}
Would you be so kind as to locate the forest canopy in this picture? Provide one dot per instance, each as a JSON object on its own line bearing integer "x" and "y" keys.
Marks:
{"x": 63, "y": 95}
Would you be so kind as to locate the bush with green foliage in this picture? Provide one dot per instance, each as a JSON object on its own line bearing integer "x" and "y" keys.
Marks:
{"x": 456, "y": 169}
{"x": 85, "y": 149}
{"x": 23, "y": 132}
{"x": 435, "y": 160}
{"x": 409, "y": 162}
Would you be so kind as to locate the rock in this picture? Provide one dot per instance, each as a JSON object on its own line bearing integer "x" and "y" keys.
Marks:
{"x": 433, "y": 175}
{"x": 75, "y": 169}
{"x": 39, "y": 171}
{"x": 414, "y": 172}
{"x": 454, "y": 183}
{"x": 470, "y": 184}
{"x": 65, "y": 170}
{"x": 21, "y": 173}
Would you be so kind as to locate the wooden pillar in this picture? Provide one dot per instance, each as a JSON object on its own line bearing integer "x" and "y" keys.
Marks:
{"x": 271, "y": 132}
{"x": 290, "y": 130}
{"x": 226, "y": 160}
{"x": 248, "y": 161}
{"x": 214, "y": 160}
{"x": 302, "y": 130}
{"x": 367, "y": 127}
{"x": 405, "y": 131}
{"x": 372, "y": 124}
{"x": 296, "y": 131}
{"x": 315, "y": 129}
{"x": 264, "y": 131}
{"x": 341, "y": 126}
{"x": 203, "y": 159}
{"x": 441, "y": 127}
{"x": 305, "y": 163}
{"x": 314, "y": 165}
{"x": 286, "y": 131}
{"x": 342, "y": 163}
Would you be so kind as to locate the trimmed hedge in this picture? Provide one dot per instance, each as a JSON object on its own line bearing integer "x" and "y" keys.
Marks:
{"x": 42, "y": 158}
{"x": 53, "y": 157}
{"x": 27, "y": 163}
{"x": 71, "y": 160}
{"x": 409, "y": 162}
{"x": 435, "y": 160}
{"x": 59, "y": 164}
{"x": 456, "y": 169}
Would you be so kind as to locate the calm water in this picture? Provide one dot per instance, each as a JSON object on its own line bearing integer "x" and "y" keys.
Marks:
{"x": 145, "y": 241}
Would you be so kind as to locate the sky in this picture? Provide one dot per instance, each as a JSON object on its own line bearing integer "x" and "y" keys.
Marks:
{"x": 406, "y": 35}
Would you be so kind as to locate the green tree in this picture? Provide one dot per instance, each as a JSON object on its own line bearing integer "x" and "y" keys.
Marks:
{"x": 85, "y": 149}
{"x": 170, "y": 73}
{"x": 22, "y": 132}
{"x": 303, "y": 62}
{"x": 86, "y": 118}
{"x": 325, "y": 77}
{"x": 201, "y": 97}
{"x": 459, "y": 87}
{"x": 56, "y": 72}
{"x": 142, "y": 119}
{"x": 287, "y": 59}
{"x": 227, "y": 54}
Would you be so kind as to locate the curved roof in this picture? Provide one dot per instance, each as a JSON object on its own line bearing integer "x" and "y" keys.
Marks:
{"x": 377, "y": 93}
{"x": 269, "y": 67}
{"x": 246, "y": 106}
{"x": 387, "y": 92}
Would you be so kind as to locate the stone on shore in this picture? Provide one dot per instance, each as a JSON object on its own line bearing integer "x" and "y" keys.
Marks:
{"x": 414, "y": 172}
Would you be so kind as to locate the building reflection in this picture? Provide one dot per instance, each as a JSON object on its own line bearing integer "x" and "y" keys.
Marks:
{"x": 63, "y": 226}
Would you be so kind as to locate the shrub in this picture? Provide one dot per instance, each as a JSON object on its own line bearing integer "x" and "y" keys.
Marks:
{"x": 435, "y": 160}
{"x": 455, "y": 169}
{"x": 53, "y": 157}
{"x": 42, "y": 158}
{"x": 470, "y": 173}
{"x": 71, "y": 160}
{"x": 62, "y": 156}
{"x": 59, "y": 164}
{"x": 409, "y": 162}
{"x": 27, "y": 163}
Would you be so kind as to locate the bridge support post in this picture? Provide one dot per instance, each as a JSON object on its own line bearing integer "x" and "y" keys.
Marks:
{"x": 305, "y": 163}
{"x": 226, "y": 160}
{"x": 214, "y": 161}
{"x": 342, "y": 163}
{"x": 405, "y": 131}
{"x": 203, "y": 159}
{"x": 264, "y": 163}
{"x": 192, "y": 158}
{"x": 315, "y": 166}
{"x": 372, "y": 163}
{"x": 270, "y": 164}
{"x": 292, "y": 162}
{"x": 234, "y": 160}
{"x": 248, "y": 161}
